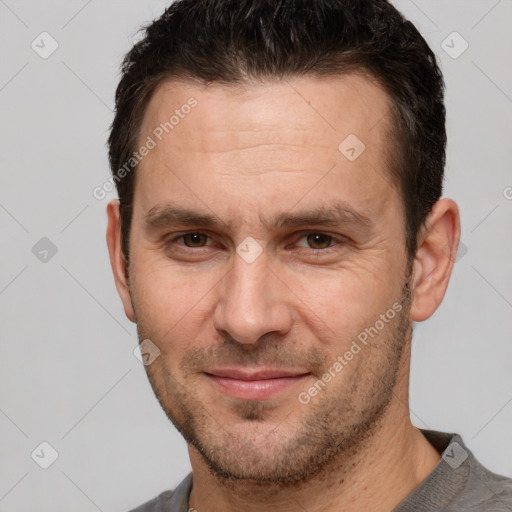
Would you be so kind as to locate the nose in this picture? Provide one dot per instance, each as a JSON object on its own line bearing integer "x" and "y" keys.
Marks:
{"x": 252, "y": 302}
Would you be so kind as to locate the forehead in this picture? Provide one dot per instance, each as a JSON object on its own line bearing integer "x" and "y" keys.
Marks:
{"x": 245, "y": 140}
{"x": 318, "y": 105}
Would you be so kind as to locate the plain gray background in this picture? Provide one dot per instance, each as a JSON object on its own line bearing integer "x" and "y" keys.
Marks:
{"x": 68, "y": 373}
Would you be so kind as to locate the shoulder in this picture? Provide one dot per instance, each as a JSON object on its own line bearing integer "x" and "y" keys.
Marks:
{"x": 459, "y": 482}
{"x": 170, "y": 501}
{"x": 159, "y": 504}
{"x": 486, "y": 490}
{"x": 483, "y": 490}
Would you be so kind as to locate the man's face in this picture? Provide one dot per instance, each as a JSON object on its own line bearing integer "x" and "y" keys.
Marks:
{"x": 334, "y": 268}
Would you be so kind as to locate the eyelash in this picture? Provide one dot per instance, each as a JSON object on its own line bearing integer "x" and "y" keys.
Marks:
{"x": 328, "y": 249}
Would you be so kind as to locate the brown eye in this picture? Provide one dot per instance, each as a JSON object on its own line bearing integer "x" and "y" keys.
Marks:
{"x": 319, "y": 241}
{"x": 195, "y": 239}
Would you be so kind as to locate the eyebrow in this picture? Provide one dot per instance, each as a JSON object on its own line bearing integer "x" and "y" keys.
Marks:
{"x": 335, "y": 215}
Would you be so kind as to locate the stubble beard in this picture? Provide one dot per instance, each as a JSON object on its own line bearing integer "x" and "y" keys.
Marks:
{"x": 334, "y": 428}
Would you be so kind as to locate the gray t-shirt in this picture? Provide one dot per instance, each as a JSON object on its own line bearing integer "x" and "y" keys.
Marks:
{"x": 459, "y": 483}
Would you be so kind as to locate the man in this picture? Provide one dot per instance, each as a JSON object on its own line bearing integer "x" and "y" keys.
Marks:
{"x": 279, "y": 227}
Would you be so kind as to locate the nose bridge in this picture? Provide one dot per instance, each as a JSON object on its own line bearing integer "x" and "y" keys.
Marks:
{"x": 250, "y": 302}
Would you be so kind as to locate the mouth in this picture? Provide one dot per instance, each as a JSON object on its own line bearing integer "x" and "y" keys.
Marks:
{"x": 257, "y": 385}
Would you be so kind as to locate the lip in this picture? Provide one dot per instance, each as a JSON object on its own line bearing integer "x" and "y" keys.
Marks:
{"x": 261, "y": 374}
{"x": 256, "y": 385}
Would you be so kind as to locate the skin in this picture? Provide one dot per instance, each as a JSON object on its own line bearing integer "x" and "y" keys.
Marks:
{"x": 245, "y": 155}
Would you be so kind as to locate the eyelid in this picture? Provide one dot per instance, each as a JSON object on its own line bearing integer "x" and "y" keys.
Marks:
{"x": 174, "y": 237}
{"x": 335, "y": 239}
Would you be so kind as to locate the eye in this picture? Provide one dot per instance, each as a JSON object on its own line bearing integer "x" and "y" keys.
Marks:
{"x": 192, "y": 240}
{"x": 318, "y": 241}
{"x": 314, "y": 242}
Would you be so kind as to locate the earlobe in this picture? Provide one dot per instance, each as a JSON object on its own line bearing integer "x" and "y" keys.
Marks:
{"x": 117, "y": 259}
{"x": 434, "y": 260}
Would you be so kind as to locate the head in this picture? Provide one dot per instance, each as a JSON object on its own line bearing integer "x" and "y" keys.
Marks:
{"x": 284, "y": 214}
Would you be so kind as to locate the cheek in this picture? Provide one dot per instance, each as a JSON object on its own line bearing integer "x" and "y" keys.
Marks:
{"x": 338, "y": 293}
{"x": 169, "y": 303}
{"x": 338, "y": 304}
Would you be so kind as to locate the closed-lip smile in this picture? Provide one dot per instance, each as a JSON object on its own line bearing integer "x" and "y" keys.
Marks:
{"x": 257, "y": 384}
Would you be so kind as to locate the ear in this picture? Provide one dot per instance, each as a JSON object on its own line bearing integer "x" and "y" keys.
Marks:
{"x": 435, "y": 256}
{"x": 117, "y": 259}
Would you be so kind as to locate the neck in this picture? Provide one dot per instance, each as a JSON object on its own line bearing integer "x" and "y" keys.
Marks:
{"x": 376, "y": 476}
